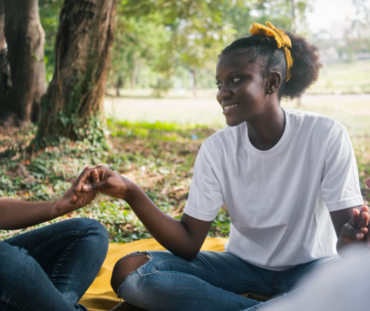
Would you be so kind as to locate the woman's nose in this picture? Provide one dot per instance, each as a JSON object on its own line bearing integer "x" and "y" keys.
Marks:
{"x": 223, "y": 93}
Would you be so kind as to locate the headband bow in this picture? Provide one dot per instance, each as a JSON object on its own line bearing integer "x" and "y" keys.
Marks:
{"x": 282, "y": 40}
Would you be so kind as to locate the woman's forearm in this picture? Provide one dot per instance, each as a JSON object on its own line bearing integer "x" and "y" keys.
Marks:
{"x": 169, "y": 232}
{"x": 17, "y": 214}
{"x": 183, "y": 238}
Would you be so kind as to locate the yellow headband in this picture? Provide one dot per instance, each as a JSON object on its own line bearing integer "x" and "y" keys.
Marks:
{"x": 282, "y": 40}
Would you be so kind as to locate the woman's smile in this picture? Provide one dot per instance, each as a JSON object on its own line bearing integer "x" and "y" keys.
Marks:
{"x": 229, "y": 108}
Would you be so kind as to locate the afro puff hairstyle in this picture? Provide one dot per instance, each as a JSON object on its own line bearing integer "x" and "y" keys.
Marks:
{"x": 306, "y": 66}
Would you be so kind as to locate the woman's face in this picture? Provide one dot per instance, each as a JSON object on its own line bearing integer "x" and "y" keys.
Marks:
{"x": 242, "y": 89}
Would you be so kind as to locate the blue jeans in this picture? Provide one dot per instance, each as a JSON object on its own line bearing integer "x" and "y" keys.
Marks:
{"x": 211, "y": 281}
{"x": 50, "y": 268}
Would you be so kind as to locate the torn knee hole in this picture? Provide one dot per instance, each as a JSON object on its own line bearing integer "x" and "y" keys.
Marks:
{"x": 125, "y": 266}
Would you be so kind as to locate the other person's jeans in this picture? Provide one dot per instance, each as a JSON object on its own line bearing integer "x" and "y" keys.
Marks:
{"x": 211, "y": 281}
{"x": 50, "y": 268}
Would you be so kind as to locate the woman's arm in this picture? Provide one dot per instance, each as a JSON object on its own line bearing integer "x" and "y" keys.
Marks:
{"x": 183, "y": 238}
{"x": 17, "y": 214}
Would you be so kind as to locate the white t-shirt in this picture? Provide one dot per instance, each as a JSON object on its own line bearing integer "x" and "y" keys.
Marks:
{"x": 278, "y": 200}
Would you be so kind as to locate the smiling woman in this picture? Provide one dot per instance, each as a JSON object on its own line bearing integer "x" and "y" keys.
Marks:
{"x": 253, "y": 74}
{"x": 288, "y": 178}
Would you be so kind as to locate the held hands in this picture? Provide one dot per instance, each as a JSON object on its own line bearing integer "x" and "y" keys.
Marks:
{"x": 110, "y": 182}
{"x": 73, "y": 200}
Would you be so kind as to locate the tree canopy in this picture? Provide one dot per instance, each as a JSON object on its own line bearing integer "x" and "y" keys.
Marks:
{"x": 157, "y": 39}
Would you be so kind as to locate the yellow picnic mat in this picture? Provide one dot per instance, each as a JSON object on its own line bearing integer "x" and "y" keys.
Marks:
{"x": 100, "y": 296}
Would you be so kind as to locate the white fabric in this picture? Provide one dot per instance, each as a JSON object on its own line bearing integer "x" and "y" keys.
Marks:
{"x": 339, "y": 286}
{"x": 278, "y": 200}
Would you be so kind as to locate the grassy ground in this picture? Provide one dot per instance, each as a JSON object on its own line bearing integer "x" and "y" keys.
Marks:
{"x": 344, "y": 78}
{"x": 158, "y": 155}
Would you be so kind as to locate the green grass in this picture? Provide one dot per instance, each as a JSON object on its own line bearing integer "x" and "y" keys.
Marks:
{"x": 158, "y": 156}
{"x": 347, "y": 78}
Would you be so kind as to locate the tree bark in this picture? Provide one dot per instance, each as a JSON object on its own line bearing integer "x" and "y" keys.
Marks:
{"x": 75, "y": 94}
{"x": 4, "y": 64}
{"x": 25, "y": 39}
{"x": 2, "y": 22}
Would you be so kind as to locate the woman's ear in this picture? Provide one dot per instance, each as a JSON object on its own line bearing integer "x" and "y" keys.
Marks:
{"x": 274, "y": 82}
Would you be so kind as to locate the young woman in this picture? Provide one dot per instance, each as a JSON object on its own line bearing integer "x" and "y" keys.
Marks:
{"x": 49, "y": 268}
{"x": 288, "y": 178}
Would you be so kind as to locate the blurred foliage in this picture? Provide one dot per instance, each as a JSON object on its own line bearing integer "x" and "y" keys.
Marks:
{"x": 49, "y": 11}
{"x": 157, "y": 40}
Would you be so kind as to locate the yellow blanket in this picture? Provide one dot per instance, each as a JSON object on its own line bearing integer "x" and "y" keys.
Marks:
{"x": 101, "y": 297}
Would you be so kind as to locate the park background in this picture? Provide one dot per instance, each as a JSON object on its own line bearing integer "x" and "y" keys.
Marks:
{"x": 131, "y": 84}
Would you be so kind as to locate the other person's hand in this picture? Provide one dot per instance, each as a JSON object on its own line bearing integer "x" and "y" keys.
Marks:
{"x": 357, "y": 229}
{"x": 111, "y": 183}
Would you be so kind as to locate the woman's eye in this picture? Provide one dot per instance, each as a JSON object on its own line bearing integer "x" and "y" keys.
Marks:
{"x": 219, "y": 85}
{"x": 235, "y": 80}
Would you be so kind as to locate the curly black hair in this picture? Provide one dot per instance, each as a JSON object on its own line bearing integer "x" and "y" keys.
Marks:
{"x": 306, "y": 66}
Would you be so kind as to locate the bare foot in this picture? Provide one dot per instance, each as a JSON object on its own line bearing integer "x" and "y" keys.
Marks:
{"x": 124, "y": 306}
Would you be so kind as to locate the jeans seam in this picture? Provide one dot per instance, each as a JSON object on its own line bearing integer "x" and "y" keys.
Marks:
{"x": 9, "y": 301}
{"x": 52, "y": 240}
{"x": 217, "y": 275}
{"x": 62, "y": 256}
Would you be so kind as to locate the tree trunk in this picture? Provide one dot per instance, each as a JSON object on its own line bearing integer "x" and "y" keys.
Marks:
{"x": 2, "y": 21}
{"x": 134, "y": 72}
{"x": 4, "y": 64}
{"x": 294, "y": 16}
{"x": 75, "y": 94}
{"x": 25, "y": 39}
{"x": 194, "y": 72}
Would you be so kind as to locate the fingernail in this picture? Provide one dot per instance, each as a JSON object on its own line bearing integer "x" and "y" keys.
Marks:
{"x": 359, "y": 236}
{"x": 86, "y": 187}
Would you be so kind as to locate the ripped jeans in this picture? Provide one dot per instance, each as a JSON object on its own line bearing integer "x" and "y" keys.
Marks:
{"x": 211, "y": 281}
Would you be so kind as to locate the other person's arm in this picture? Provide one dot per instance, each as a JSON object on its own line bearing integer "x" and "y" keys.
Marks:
{"x": 18, "y": 214}
{"x": 183, "y": 238}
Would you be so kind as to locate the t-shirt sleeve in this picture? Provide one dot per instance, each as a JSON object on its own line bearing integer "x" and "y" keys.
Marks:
{"x": 205, "y": 197}
{"x": 340, "y": 182}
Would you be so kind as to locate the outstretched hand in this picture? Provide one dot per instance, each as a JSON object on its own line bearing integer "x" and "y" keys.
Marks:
{"x": 110, "y": 182}
{"x": 357, "y": 229}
